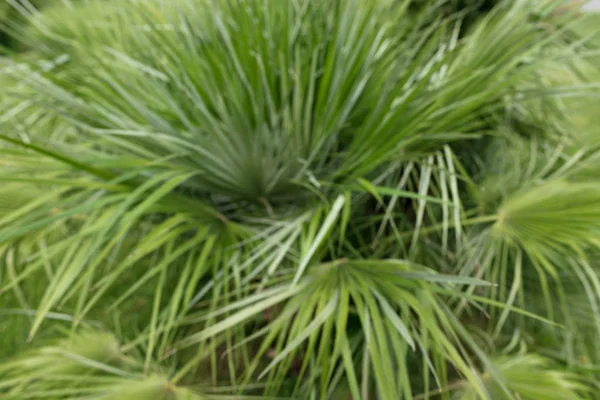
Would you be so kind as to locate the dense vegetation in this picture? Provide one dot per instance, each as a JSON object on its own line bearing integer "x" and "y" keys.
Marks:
{"x": 313, "y": 199}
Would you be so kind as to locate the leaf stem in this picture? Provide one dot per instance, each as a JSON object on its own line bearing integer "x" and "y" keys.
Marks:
{"x": 470, "y": 221}
{"x": 451, "y": 387}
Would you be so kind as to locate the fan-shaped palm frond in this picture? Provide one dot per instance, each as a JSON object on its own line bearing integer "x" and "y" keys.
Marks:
{"x": 390, "y": 303}
{"x": 90, "y": 364}
{"x": 532, "y": 377}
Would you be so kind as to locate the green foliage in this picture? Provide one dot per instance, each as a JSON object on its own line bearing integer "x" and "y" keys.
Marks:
{"x": 473, "y": 8}
{"x": 309, "y": 199}
{"x": 12, "y": 21}
{"x": 533, "y": 377}
{"x": 90, "y": 364}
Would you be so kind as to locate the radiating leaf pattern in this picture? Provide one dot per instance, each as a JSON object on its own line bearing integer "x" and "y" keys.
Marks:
{"x": 314, "y": 199}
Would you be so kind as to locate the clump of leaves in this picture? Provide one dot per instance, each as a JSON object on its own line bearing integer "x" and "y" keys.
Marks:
{"x": 13, "y": 22}
{"x": 307, "y": 198}
{"x": 532, "y": 377}
{"x": 88, "y": 364}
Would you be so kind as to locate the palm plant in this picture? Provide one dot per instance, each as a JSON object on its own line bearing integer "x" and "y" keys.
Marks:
{"x": 306, "y": 198}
